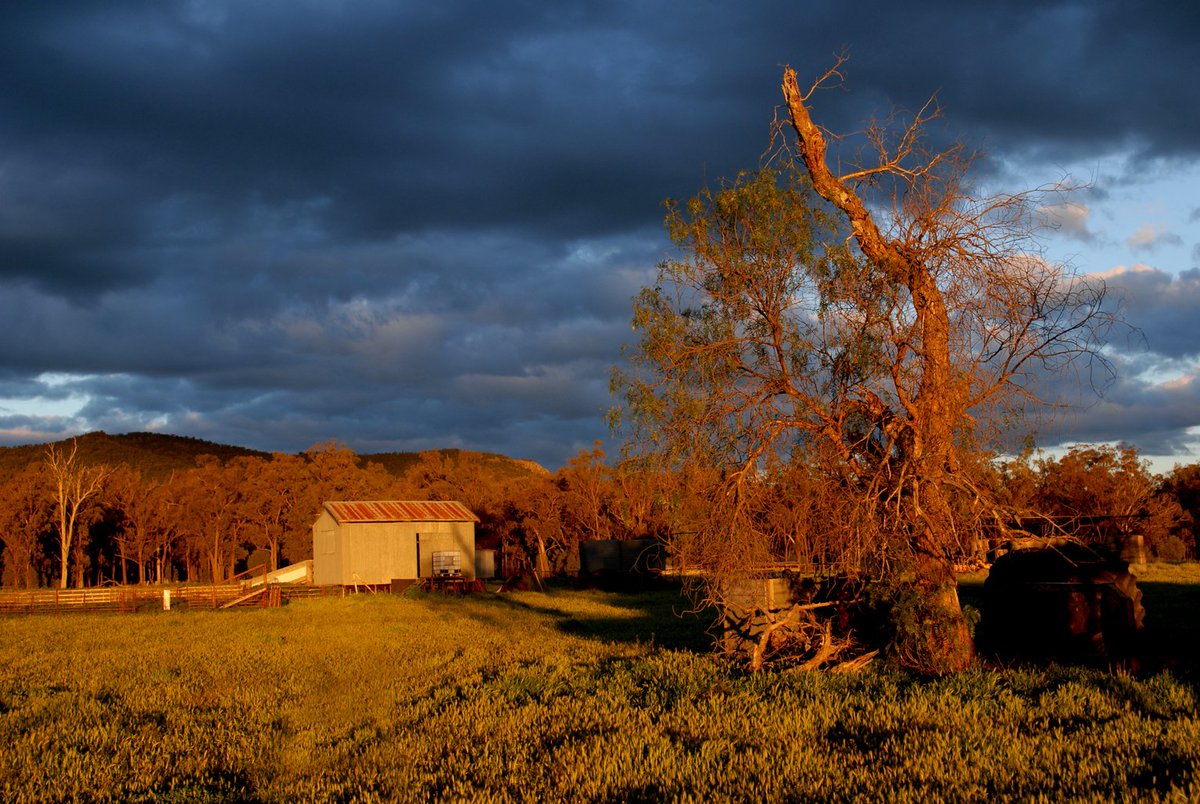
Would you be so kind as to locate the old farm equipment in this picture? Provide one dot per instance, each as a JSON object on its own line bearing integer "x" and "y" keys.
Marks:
{"x": 1059, "y": 598}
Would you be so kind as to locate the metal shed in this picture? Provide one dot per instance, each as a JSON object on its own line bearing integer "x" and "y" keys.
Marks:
{"x": 376, "y": 542}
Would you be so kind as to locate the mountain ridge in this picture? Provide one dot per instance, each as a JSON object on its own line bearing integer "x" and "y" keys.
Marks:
{"x": 159, "y": 454}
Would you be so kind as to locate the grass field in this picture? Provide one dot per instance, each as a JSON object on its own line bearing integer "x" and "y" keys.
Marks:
{"x": 549, "y": 696}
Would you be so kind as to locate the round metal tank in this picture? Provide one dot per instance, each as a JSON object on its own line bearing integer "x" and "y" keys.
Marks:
{"x": 485, "y": 564}
{"x": 599, "y": 556}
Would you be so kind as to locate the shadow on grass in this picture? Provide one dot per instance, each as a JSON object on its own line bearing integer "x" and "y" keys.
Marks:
{"x": 1172, "y": 633}
{"x": 665, "y": 617}
{"x": 970, "y": 591}
{"x": 662, "y": 616}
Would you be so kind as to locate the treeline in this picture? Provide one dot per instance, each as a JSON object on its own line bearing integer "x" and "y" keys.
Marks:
{"x": 69, "y": 522}
{"x": 1102, "y": 494}
{"x": 64, "y": 521}
{"x": 1099, "y": 494}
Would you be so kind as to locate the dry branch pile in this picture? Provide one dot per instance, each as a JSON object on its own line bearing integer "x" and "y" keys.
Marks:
{"x": 800, "y": 623}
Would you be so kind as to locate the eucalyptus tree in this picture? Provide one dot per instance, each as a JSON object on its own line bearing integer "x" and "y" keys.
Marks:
{"x": 75, "y": 488}
{"x": 867, "y": 323}
{"x": 26, "y": 514}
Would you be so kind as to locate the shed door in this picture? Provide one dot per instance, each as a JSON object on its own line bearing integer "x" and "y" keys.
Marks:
{"x": 325, "y": 541}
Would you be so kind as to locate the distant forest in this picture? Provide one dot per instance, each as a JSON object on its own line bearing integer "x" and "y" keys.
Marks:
{"x": 152, "y": 508}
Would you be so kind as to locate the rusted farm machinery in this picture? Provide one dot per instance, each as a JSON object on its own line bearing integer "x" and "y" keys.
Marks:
{"x": 1060, "y": 598}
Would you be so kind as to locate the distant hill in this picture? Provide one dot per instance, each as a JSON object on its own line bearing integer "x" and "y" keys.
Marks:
{"x": 156, "y": 454}
{"x": 159, "y": 454}
{"x": 499, "y": 466}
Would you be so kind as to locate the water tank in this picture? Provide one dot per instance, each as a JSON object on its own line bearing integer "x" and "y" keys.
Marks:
{"x": 485, "y": 564}
{"x": 599, "y": 556}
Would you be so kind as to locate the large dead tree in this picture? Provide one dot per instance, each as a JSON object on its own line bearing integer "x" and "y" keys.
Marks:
{"x": 868, "y": 324}
{"x": 978, "y": 309}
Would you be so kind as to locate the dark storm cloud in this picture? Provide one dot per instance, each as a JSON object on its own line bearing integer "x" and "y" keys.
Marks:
{"x": 1163, "y": 307}
{"x": 415, "y": 225}
{"x": 1147, "y": 389}
{"x": 1154, "y": 416}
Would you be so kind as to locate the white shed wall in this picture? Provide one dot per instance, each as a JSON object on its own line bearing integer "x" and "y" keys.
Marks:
{"x": 378, "y": 552}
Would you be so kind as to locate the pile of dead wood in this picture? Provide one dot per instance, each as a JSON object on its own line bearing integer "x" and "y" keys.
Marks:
{"x": 790, "y": 621}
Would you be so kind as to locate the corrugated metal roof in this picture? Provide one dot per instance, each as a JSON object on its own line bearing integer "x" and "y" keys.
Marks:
{"x": 397, "y": 511}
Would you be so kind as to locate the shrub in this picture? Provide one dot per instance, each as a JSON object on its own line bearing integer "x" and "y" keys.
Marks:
{"x": 1172, "y": 549}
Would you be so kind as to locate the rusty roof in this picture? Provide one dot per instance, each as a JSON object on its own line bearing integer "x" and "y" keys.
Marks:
{"x": 397, "y": 511}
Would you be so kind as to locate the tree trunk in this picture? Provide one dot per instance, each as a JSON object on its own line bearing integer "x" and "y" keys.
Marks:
{"x": 79, "y": 562}
{"x": 216, "y": 559}
{"x": 946, "y": 646}
{"x": 942, "y": 642}
{"x": 64, "y": 562}
{"x": 23, "y": 571}
{"x": 66, "y": 528}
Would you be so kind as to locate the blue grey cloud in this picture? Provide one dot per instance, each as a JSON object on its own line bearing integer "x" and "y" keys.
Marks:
{"x": 406, "y": 225}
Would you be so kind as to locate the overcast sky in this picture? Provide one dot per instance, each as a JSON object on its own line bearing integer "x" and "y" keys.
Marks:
{"x": 415, "y": 225}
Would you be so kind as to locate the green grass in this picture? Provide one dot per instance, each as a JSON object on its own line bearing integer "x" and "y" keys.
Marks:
{"x": 543, "y": 697}
{"x": 1183, "y": 573}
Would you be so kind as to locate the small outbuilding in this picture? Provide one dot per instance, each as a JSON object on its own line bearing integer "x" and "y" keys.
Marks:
{"x": 383, "y": 541}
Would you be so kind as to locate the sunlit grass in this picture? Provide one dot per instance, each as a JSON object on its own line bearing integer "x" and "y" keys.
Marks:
{"x": 1162, "y": 572}
{"x": 542, "y": 696}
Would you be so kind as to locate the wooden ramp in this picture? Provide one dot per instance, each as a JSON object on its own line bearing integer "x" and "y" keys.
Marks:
{"x": 298, "y": 573}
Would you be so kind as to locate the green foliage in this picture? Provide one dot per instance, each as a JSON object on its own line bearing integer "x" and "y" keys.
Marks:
{"x": 1173, "y": 549}
{"x": 1103, "y": 494}
{"x": 542, "y": 696}
{"x": 734, "y": 331}
{"x": 898, "y": 618}
{"x": 972, "y": 615}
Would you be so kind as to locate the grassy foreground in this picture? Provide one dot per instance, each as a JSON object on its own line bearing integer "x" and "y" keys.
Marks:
{"x": 536, "y": 697}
